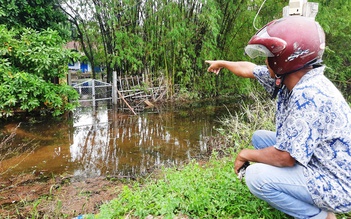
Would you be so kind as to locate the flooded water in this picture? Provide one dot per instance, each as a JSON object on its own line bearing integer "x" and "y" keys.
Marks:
{"x": 102, "y": 141}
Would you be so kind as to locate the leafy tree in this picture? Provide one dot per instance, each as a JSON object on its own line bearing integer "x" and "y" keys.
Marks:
{"x": 100, "y": 26}
{"x": 29, "y": 62}
{"x": 37, "y": 15}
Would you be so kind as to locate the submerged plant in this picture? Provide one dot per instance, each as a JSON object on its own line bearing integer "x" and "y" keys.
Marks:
{"x": 7, "y": 150}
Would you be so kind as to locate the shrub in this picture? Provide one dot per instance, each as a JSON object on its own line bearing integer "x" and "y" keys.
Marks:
{"x": 29, "y": 62}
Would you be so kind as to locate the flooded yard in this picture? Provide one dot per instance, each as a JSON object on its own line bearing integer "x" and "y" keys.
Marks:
{"x": 102, "y": 141}
{"x": 68, "y": 167}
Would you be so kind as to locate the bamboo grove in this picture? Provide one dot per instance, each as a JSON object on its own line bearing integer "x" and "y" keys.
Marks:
{"x": 173, "y": 38}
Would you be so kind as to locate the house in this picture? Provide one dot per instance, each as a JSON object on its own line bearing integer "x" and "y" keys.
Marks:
{"x": 83, "y": 67}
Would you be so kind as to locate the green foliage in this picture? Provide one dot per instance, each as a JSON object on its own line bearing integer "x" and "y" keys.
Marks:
{"x": 41, "y": 53}
{"x": 37, "y": 15}
{"x": 128, "y": 49}
{"x": 335, "y": 18}
{"x": 28, "y": 63}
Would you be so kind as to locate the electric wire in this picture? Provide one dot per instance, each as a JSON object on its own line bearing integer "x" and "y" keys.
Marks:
{"x": 254, "y": 21}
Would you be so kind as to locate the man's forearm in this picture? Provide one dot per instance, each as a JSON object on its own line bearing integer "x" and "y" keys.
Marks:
{"x": 269, "y": 155}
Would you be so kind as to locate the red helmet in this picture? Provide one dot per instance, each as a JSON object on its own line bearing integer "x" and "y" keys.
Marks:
{"x": 290, "y": 43}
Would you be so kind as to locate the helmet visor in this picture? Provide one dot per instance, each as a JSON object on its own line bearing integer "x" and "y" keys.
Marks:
{"x": 255, "y": 50}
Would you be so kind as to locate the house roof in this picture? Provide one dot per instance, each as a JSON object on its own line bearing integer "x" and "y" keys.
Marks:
{"x": 73, "y": 45}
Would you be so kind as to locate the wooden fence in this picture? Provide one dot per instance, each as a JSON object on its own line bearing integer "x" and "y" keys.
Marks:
{"x": 134, "y": 92}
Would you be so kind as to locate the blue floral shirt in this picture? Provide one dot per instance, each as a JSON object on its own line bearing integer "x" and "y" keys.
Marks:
{"x": 313, "y": 124}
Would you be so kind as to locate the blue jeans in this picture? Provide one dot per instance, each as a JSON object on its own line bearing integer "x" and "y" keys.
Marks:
{"x": 284, "y": 188}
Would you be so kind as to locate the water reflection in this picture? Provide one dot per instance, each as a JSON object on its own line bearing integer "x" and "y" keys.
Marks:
{"x": 111, "y": 143}
{"x": 100, "y": 141}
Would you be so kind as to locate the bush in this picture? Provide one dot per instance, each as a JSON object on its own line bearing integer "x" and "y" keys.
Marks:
{"x": 29, "y": 62}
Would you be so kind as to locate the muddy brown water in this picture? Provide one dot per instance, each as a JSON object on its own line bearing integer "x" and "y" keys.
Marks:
{"x": 102, "y": 141}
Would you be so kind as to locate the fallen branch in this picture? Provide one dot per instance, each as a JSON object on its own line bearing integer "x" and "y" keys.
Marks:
{"x": 121, "y": 95}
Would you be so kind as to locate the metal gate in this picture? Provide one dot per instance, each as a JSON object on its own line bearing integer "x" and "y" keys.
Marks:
{"x": 92, "y": 90}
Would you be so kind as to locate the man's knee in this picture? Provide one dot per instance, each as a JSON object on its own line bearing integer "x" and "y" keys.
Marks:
{"x": 255, "y": 177}
{"x": 263, "y": 138}
{"x": 256, "y": 136}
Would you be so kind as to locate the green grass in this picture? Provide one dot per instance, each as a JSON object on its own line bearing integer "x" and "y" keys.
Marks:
{"x": 211, "y": 190}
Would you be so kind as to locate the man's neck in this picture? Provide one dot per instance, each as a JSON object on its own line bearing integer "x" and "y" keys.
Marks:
{"x": 292, "y": 79}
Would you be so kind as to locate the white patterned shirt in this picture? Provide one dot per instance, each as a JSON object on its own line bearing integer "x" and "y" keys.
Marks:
{"x": 313, "y": 124}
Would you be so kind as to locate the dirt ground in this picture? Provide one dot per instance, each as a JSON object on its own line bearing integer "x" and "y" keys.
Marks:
{"x": 39, "y": 196}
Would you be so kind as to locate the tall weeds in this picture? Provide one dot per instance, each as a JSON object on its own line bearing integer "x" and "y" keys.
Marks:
{"x": 256, "y": 112}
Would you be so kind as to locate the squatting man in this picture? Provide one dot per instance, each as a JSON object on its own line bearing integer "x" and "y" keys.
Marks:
{"x": 303, "y": 168}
